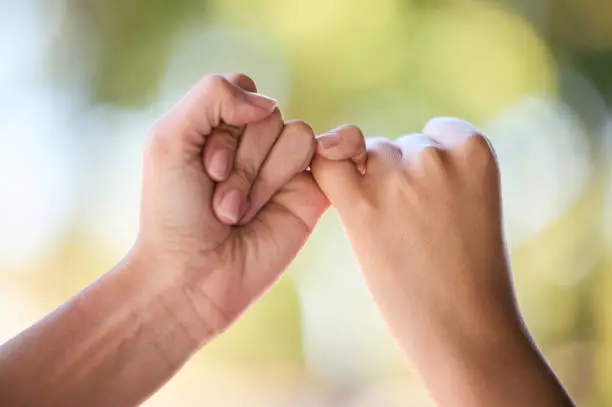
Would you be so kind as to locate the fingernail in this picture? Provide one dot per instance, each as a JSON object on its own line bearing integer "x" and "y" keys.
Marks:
{"x": 261, "y": 101}
{"x": 219, "y": 165}
{"x": 230, "y": 208}
{"x": 329, "y": 140}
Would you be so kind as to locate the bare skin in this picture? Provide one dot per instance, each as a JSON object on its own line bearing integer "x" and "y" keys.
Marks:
{"x": 226, "y": 205}
{"x": 199, "y": 261}
{"x": 425, "y": 224}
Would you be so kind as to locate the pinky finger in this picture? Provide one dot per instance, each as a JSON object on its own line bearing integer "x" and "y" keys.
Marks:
{"x": 346, "y": 142}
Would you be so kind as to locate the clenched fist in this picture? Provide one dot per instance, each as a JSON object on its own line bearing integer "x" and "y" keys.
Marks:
{"x": 226, "y": 201}
{"x": 425, "y": 223}
{"x": 226, "y": 205}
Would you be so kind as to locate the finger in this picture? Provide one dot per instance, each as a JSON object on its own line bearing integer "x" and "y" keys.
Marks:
{"x": 291, "y": 155}
{"x": 413, "y": 145}
{"x": 340, "y": 180}
{"x": 344, "y": 144}
{"x": 462, "y": 139}
{"x": 383, "y": 156}
{"x": 214, "y": 100}
{"x": 242, "y": 81}
{"x": 220, "y": 150}
{"x": 221, "y": 145}
{"x": 296, "y": 208}
{"x": 449, "y": 131}
{"x": 230, "y": 199}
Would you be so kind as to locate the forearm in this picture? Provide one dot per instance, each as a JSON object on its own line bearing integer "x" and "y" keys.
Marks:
{"x": 503, "y": 372}
{"x": 112, "y": 344}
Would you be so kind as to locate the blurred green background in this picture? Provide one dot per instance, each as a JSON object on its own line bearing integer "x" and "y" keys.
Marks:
{"x": 81, "y": 80}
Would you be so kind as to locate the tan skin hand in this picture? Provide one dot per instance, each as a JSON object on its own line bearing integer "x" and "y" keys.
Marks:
{"x": 425, "y": 223}
{"x": 264, "y": 202}
{"x": 189, "y": 218}
{"x": 200, "y": 258}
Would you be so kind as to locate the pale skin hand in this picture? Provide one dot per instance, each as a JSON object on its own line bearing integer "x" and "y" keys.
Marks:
{"x": 199, "y": 261}
{"x": 425, "y": 223}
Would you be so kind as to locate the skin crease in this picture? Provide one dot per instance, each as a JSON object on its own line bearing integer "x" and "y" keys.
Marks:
{"x": 227, "y": 203}
{"x": 425, "y": 224}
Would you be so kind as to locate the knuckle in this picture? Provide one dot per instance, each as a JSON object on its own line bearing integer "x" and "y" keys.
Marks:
{"x": 301, "y": 128}
{"x": 382, "y": 152}
{"x": 478, "y": 152}
{"x": 216, "y": 83}
{"x": 431, "y": 158}
{"x": 352, "y": 130}
{"x": 449, "y": 126}
{"x": 159, "y": 141}
{"x": 276, "y": 115}
{"x": 434, "y": 171}
{"x": 439, "y": 124}
{"x": 243, "y": 81}
{"x": 478, "y": 144}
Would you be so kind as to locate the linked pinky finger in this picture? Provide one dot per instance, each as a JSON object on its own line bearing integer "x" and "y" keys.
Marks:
{"x": 346, "y": 142}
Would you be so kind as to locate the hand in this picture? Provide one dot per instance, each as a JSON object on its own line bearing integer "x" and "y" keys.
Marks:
{"x": 226, "y": 202}
{"x": 226, "y": 205}
{"x": 425, "y": 223}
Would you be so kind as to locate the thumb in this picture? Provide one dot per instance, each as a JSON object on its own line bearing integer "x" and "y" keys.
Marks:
{"x": 212, "y": 101}
{"x": 339, "y": 164}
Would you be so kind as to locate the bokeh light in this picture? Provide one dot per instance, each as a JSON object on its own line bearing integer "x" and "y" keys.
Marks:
{"x": 81, "y": 81}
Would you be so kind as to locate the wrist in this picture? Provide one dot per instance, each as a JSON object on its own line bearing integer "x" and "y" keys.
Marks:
{"x": 467, "y": 341}
{"x": 167, "y": 283}
{"x": 502, "y": 369}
